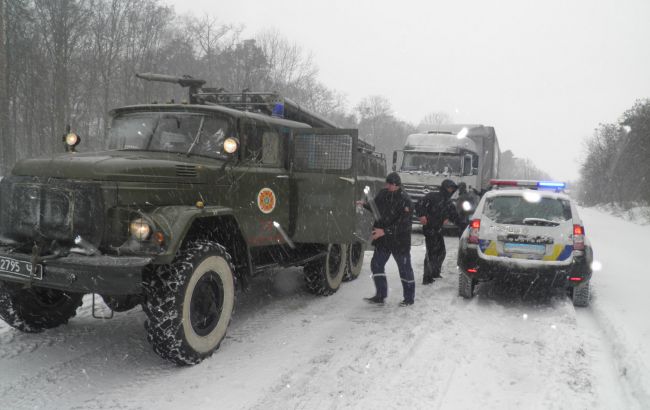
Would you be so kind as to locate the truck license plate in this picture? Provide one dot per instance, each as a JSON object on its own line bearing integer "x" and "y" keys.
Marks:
{"x": 20, "y": 268}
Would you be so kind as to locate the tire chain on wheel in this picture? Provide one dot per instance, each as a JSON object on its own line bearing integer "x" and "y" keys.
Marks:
{"x": 316, "y": 276}
{"x": 162, "y": 330}
{"x": 352, "y": 273}
{"x": 19, "y": 309}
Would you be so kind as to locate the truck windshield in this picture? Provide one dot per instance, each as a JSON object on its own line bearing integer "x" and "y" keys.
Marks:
{"x": 170, "y": 132}
{"x": 517, "y": 210}
{"x": 434, "y": 162}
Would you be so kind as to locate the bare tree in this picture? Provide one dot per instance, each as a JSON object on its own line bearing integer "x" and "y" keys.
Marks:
{"x": 433, "y": 120}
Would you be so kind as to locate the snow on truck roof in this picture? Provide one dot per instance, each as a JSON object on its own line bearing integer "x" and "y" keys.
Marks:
{"x": 438, "y": 142}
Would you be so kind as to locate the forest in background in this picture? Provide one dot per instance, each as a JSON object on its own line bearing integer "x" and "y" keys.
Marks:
{"x": 615, "y": 168}
{"x": 68, "y": 62}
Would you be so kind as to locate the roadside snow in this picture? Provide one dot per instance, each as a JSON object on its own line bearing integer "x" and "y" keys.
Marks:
{"x": 620, "y": 295}
{"x": 288, "y": 349}
{"x": 639, "y": 213}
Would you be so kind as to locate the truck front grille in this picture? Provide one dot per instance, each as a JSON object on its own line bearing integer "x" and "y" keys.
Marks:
{"x": 31, "y": 209}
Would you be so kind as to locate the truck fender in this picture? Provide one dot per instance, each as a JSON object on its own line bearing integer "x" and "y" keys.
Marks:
{"x": 184, "y": 223}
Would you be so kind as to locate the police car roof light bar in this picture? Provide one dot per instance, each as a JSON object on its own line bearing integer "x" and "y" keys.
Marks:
{"x": 554, "y": 185}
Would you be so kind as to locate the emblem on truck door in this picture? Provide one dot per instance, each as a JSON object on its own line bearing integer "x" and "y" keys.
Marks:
{"x": 266, "y": 200}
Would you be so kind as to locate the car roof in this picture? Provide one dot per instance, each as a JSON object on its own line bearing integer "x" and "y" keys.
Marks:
{"x": 544, "y": 193}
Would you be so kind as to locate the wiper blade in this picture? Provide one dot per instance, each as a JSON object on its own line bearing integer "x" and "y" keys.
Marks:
{"x": 540, "y": 221}
{"x": 196, "y": 138}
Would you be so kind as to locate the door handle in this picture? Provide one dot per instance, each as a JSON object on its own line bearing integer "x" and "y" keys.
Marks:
{"x": 283, "y": 176}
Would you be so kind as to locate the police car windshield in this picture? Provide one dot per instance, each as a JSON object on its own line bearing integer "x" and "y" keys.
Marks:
{"x": 517, "y": 210}
{"x": 170, "y": 132}
{"x": 433, "y": 162}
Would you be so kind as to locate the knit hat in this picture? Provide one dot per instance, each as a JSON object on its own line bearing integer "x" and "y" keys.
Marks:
{"x": 393, "y": 178}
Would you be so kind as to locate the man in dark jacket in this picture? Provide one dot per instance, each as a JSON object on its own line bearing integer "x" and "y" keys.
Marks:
{"x": 465, "y": 206}
{"x": 391, "y": 235}
{"x": 433, "y": 210}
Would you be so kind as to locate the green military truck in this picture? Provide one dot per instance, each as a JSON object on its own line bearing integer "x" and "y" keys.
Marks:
{"x": 186, "y": 204}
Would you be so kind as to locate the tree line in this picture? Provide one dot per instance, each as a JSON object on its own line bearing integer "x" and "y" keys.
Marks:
{"x": 616, "y": 168}
{"x": 68, "y": 62}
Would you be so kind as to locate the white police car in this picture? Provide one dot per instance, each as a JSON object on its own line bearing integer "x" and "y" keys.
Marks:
{"x": 526, "y": 228}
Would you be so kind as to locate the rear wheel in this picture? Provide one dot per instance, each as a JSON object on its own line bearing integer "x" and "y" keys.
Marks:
{"x": 581, "y": 295}
{"x": 354, "y": 261}
{"x": 189, "y": 303}
{"x": 324, "y": 275}
{"x": 35, "y": 309}
{"x": 466, "y": 286}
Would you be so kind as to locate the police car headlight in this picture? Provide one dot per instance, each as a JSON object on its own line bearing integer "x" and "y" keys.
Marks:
{"x": 140, "y": 229}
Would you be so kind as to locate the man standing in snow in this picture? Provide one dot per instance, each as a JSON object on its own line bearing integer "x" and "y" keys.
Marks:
{"x": 433, "y": 210}
{"x": 391, "y": 235}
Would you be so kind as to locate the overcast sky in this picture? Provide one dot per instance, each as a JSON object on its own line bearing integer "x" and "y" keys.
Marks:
{"x": 544, "y": 73}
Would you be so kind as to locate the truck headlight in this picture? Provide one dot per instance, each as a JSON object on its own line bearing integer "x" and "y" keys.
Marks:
{"x": 230, "y": 145}
{"x": 140, "y": 229}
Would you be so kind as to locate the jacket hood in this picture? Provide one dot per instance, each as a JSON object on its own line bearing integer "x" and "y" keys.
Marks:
{"x": 448, "y": 183}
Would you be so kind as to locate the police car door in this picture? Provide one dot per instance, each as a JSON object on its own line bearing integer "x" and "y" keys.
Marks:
{"x": 323, "y": 182}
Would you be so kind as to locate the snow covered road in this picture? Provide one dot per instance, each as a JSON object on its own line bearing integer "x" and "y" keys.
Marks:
{"x": 287, "y": 349}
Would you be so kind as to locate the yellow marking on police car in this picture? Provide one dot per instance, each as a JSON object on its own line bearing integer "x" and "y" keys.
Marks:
{"x": 557, "y": 250}
{"x": 492, "y": 249}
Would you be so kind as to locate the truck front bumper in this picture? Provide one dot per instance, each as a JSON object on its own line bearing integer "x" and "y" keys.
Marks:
{"x": 113, "y": 275}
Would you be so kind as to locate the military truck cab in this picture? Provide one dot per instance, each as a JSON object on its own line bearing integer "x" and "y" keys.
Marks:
{"x": 186, "y": 204}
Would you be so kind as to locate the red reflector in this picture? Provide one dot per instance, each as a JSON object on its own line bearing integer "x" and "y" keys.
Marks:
{"x": 578, "y": 230}
{"x": 472, "y": 270}
{"x": 576, "y": 279}
{"x": 475, "y": 224}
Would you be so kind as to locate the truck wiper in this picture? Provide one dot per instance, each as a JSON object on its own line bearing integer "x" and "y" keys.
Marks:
{"x": 196, "y": 139}
{"x": 540, "y": 221}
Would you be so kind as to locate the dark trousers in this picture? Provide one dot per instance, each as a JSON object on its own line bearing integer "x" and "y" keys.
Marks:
{"x": 403, "y": 260}
{"x": 461, "y": 227}
{"x": 436, "y": 253}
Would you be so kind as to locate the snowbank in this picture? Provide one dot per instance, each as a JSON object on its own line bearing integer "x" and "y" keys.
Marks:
{"x": 619, "y": 293}
{"x": 637, "y": 213}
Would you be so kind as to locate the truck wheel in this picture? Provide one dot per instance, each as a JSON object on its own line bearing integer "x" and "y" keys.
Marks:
{"x": 324, "y": 275}
{"x": 466, "y": 286}
{"x": 580, "y": 295}
{"x": 354, "y": 261}
{"x": 189, "y": 303}
{"x": 36, "y": 309}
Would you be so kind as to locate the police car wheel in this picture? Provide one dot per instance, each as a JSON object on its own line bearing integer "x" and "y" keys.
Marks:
{"x": 324, "y": 275}
{"x": 580, "y": 295}
{"x": 466, "y": 286}
{"x": 354, "y": 261}
{"x": 190, "y": 302}
{"x": 36, "y": 309}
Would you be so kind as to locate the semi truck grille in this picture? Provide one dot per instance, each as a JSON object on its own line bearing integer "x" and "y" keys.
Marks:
{"x": 50, "y": 210}
{"x": 416, "y": 191}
